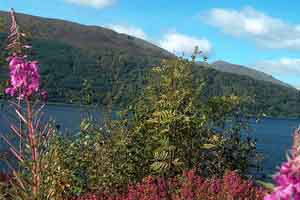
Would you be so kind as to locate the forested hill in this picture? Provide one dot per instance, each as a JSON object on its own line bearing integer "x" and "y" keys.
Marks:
{"x": 269, "y": 98}
{"x": 77, "y": 60}
{"x": 93, "y": 40}
{"x": 243, "y": 70}
{"x": 70, "y": 53}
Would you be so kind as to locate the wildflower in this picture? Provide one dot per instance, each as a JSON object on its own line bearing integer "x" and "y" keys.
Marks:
{"x": 24, "y": 77}
{"x": 288, "y": 178}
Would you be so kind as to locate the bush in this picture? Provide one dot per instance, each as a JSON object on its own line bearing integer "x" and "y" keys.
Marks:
{"x": 171, "y": 128}
{"x": 87, "y": 161}
{"x": 189, "y": 186}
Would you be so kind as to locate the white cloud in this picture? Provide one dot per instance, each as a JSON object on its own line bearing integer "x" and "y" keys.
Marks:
{"x": 266, "y": 31}
{"x": 280, "y": 67}
{"x": 93, "y": 3}
{"x": 179, "y": 43}
{"x": 129, "y": 30}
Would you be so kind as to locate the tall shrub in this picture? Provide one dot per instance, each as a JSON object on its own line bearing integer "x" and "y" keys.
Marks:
{"x": 172, "y": 129}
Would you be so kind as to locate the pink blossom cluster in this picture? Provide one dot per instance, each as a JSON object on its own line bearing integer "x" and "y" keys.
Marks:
{"x": 189, "y": 186}
{"x": 287, "y": 181}
{"x": 24, "y": 74}
{"x": 24, "y": 77}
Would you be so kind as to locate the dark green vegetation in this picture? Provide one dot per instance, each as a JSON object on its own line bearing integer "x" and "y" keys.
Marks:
{"x": 89, "y": 64}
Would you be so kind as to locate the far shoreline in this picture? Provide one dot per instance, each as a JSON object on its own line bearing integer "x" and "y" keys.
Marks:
{"x": 63, "y": 104}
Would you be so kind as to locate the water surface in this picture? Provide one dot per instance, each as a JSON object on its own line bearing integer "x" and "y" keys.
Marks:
{"x": 274, "y": 136}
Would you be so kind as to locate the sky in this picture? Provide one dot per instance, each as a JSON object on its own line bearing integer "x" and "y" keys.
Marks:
{"x": 263, "y": 35}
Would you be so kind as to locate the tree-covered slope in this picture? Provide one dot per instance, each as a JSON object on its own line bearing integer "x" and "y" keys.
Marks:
{"x": 242, "y": 70}
{"x": 264, "y": 96}
{"x": 93, "y": 40}
{"x": 70, "y": 53}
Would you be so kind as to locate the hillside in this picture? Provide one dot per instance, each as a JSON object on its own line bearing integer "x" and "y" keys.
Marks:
{"x": 77, "y": 60}
{"x": 267, "y": 97}
{"x": 242, "y": 70}
{"x": 93, "y": 40}
{"x": 70, "y": 53}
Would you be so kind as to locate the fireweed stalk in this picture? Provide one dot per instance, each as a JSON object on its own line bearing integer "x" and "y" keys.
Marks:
{"x": 25, "y": 86}
{"x": 287, "y": 180}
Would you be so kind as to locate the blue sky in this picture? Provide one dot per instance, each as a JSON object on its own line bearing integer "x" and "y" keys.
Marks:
{"x": 264, "y": 35}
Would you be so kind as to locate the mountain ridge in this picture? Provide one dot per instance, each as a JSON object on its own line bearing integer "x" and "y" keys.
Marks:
{"x": 87, "y": 37}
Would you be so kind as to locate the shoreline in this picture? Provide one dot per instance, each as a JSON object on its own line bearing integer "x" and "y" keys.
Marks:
{"x": 62, "y": 104}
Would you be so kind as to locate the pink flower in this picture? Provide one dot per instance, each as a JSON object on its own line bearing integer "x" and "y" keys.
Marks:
{"x": 287, "y": 181}
{"x": 24, "y": 77}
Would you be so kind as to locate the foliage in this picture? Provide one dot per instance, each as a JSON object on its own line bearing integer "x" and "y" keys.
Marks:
{"x": 85, "y": 162}
{"x": 97, "y": 159}
{"x": 56, "y": 174}
{"x": 172, "y": 130}
{"x": 189, "y": 186}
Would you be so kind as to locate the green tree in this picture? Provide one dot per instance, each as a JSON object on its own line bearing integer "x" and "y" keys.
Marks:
{"x": 174, "y": 130}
